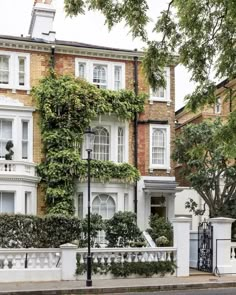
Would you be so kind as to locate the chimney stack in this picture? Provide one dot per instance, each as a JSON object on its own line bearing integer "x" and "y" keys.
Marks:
{"x": 42, "y": 20}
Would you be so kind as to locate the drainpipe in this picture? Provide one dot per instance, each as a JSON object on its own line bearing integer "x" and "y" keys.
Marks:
{"x": 135, "y": 133}
{"x": 52, "y": 61}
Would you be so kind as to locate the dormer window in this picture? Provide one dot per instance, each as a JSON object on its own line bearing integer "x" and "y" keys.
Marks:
{"x": 14, "y": 70}
{"x": 104, "y": 74}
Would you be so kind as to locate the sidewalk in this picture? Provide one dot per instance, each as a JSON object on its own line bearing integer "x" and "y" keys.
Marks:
{"x": 119, "y": 285}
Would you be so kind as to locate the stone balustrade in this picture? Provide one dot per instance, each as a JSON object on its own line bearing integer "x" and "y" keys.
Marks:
{"x": 17, "y": 168}
{"x": 116, "y": 255}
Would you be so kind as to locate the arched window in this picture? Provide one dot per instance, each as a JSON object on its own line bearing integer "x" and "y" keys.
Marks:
{"x": 158, "y": 147}
{"x": 101, "y": 144}
{"x": 100, "y": 76}
{"x": 104, "y": 205}
{"x": 82, "y": 68}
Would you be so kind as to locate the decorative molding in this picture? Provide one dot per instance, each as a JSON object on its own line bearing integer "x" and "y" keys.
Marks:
{"x": 68, "y": 49}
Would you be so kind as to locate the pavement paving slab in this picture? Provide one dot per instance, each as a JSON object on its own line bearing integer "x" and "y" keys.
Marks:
{"x": 111, "y": 286}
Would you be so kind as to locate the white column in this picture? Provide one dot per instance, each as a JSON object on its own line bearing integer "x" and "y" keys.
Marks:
{"x": 221, "y": 244}
{"x": 181, "y": 242}
{"x": 68, "y": 262}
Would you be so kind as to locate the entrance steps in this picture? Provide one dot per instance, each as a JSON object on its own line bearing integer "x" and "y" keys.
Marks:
{"x": 196, "y": 272}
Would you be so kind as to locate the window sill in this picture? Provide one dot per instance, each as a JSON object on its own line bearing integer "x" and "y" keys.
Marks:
{"x": 151, "y": 169}
{"x": 14, "y": 89}
{"x": 155, "y": 99}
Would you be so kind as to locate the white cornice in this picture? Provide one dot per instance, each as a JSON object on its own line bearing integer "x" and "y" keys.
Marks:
{"x": 16, "y": 177}
{"x": 68, "y": 49}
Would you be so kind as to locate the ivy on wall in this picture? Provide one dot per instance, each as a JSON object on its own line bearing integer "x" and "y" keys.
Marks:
{"x": 67, "y": 106}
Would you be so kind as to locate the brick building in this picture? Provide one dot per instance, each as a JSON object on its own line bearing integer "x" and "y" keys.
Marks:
{"x": 23, "y": 62}
{"x": 223, "y": 106}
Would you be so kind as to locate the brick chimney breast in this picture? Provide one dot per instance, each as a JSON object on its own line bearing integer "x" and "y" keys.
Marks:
{"x": 41, "y": 24}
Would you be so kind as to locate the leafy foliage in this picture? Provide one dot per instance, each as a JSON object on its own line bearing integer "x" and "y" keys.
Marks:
{"x": 201, "y": 32}
{"x": 96, "y": 225}
{"x": 27, "y": 231}
{"x": 160, "y": 230}
{"x": 125, "y": 269}
{"x": 67, "y": 106}
{"x": 122, "y": 230}
{"x": 205, "y": 155}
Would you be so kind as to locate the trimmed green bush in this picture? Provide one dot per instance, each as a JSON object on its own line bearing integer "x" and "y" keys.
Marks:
{"x": 29, "y": 231}
{"x": 122, "y": 230}
{"x": 160, "y": 228}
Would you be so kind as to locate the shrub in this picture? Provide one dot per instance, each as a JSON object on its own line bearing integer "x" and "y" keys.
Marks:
{"x": 122, "y": 230}
{"x": 160, "y": 227}
{"x": 96, "y": 225}
{"x": 29, "y": 231}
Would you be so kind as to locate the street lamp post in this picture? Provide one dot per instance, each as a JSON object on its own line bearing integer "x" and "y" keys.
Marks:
{"x": 89, "y": 141}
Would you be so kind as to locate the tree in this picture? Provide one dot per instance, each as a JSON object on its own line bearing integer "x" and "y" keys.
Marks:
{"x": 204, "y": 154}
{"x": 201, "y": 32}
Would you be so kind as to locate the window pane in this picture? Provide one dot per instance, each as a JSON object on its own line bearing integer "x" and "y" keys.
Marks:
{"x": 27, "y": 202}
{"x": 100, "y": 76}
{"x": 120, "y": 145}
{"x": 117, "y": 75}
{"x": 7, "y": 202}
{"x": 101, "y": 144}
{"x": 4, "y": 69}
{"x": 104, "y": 205}
{"x": 158, "y": 147}
{"x": 82, "y": 68}
{"x": 21, "y": 62}
{"x": 5, "y": 136}
{"x": 25, "y": 140}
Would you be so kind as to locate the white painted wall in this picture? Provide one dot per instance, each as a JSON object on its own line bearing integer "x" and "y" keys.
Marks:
{"x": 181, "y": 198}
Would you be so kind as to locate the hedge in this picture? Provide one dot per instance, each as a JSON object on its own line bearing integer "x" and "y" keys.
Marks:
{"x": 29, "y": 231}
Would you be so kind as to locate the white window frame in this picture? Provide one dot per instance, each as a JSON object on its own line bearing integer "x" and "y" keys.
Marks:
{"x": 166, "y": 165}
{"x": 112, "y": 127}
{"x": 90, "y": 63}
{"x": 17, "y": 117}
{"x": 218, "y": 105}
{"x": 14, "y": 70}
{"x": 166, "y": 97}
{"x": 14, "y": 200}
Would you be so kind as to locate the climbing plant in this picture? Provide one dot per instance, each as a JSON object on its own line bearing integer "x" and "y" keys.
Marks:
{"x": 67, "y": 106}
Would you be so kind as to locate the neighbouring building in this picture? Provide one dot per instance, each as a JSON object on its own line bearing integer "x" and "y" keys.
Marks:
{"x": 23, "y": 62}
{"x": 223, "y": 106}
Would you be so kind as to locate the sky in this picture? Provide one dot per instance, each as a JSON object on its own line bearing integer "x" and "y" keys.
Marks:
{"x": 15, "y": 18}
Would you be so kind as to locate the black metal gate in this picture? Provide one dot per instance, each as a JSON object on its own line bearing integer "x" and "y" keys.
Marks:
{"x": 205, "y": 246}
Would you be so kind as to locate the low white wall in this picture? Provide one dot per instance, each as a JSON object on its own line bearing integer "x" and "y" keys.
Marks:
{"x": 30, "y": 275}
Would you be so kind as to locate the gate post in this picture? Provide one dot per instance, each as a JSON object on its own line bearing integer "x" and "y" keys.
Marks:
{"x": 221, "y": 244}
{"x": 182, "y": 243}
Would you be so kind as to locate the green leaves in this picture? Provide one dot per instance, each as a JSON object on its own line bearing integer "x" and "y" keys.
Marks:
{"x": 67, "y": 106}
{"x": 122, "y": 229}
{"x": 207, "y": 155}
